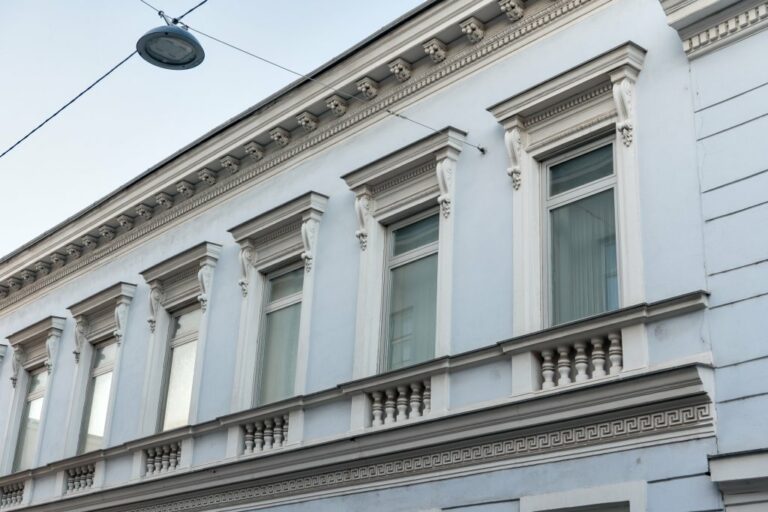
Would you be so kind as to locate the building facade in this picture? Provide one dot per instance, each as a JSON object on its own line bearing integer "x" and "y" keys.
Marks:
{"x": 544, "y": 290}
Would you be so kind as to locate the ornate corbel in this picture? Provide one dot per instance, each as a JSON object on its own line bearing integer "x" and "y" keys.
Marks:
{"x": 514, "y": 9}
{"x": 436, "y": 50}
{"x": 308, "y": 121}
{"x": 42, "y": 268}
{"x": 125, "y": 222}
{"x": 362, "y": 211}
{"x": 185, "y": 188}
{"x": 445, "y": 168}
{"x": 90, "y": 242}
{"x": 337, "y": 105}
{"x": 205, "y": 279}
{"x": 247, "y": 256}
{"x": 207, "y": 176}
{"x": 368, "y": 87}
{"x": 280, "y": 135}
{"x": 622, "y": 97}
{"x": 156, "y": 296}
{"x": 165, "y": 200}
{"x": 401, "y": 69}
{"x": 107, "y": 232}
{"x": 58, "y": 260}
{"x": 52, "y": 348}
{"x": 121, "y": 318}
{"x": 513, "y": 144}
{"x": 82, "y": 328}
{"x": 473, "y": 28}
{"x": 16, "y": 364}
{"x": 230, "y": 163}
{"x": 254, "y": 150}
{"x": 144, "y": 211}
{"x": 308, "y": 237}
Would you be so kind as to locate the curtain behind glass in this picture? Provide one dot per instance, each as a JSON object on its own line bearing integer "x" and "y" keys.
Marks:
{"x": 412, "y": 313}
{"x": 584, "y": 277}
{"x": 281, "y": 342}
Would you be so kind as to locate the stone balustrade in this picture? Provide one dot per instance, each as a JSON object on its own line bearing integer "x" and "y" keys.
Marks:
{"x": 163, "y": 458}
{"x": 80, "y": 478}
{"x": 581, "y": 361}
{"x": 265, "y": 434}
{"x": 11, "y": 494}
{"x": 401, "y": 403}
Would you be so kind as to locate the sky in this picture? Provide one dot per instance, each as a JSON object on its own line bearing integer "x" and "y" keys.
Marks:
{"x": 50, "y": 50}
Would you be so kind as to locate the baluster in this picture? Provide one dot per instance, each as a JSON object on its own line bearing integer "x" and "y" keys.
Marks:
{"x": 285, "y": 429}
{"x": 615, "y": 353}
{"x": 427, "y": 397}
{"x": 278, "y": 431}
{"x": 564, "y": 365}
{"x": 402, "y": 403}
{"x": 581, "y": 361}
{"x": 547, "y": 369}
{"x": 389, "y": 407}
{"x": 249, "y": 428}
{"x": 268, "y": 439}
{"x": 150, "y": 461}
{"x": 258, "y": 437}
{"x": 166, "y": 460}
{"x": 415, "y": 411}
{"x": 79, "y": 479}
{"x": 173, "y": 457}
{"x": 598, "y": 358}
{"x": 90, "y": 475}
{"x": 377, "y": 409}
{"x": 70, "y": 480}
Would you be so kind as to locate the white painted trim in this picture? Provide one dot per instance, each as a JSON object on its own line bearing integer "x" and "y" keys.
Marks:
{"x": 632, "y": 494}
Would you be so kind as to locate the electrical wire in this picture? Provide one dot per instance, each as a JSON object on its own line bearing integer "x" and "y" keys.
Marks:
{"x": 102, "y": 77}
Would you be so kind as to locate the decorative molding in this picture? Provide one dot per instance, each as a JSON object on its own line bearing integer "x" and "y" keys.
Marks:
{"x": 58, "y": 260}
{"x": 107, "y": 232}
{"x": 156, "y": 298}
{"x": 247, "y": 257}
{"x": 207, "y": 176}
{"x": 36, "y": 345}
{"x": 90, "y": 242}
{"x": 474, "y": 29}
{"x": 622, "y": 95}
{"x": 42, "y": 268}
{"x": 444, "y": 170}
{"x": 727, "y": 31}
{"x": 14, "y": 284}
{"x": 205, "y": 278}
{"x": 164, "y": 199}
{"x": 368, "y": 87}
{"x": 337, "y": 105}
{"x": 514, "y": 9}
{"x": 230, "y": 163}
{"x": 185, "y": 188}
{"x": 401, "y": 69}
{"x": 17, "y": 363}
{"x": 144, "y": 211}
{"x": 125, "y": 222}
{"x": 513, "y": 145}
{"x": 3, "y": 292}
{"x": 363, "y": 213}
{"x": 254, "y": 150}
{"x": 308, "y": 121}
{"x": 308, "y": 238}
{"x": 81, "y": 336}
{"x": 510, "y": 38}
{"x": 436, "y": 50}
{"x": 102, "y": 315}
{"x": 280, "y": 135}
{"x": 28, "y": 276}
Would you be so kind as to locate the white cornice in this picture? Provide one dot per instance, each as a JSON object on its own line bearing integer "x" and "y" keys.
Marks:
{"x": 290, "y": 212}
{"x": 500, "y": 39}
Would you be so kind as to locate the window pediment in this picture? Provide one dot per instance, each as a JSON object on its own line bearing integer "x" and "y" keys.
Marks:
{"x": 36, "y": 345}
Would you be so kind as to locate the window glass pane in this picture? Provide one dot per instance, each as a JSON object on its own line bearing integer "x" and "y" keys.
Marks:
{"x": 96, "y": 412}
{"x": 581, "y": 170}
{"x": 286, "y": 284}
{"x": 37, "y": 382}
{"x": 30, "y": 426}
{"x": 584, "y": 273}
{"x": 278, "y": 364}
{"x": 186, "y": 323}
{"x": 179, "y": 395}
{"x": 104, "y": 355}
{"x": 416, "y": 235}
{"x": 412, "y": 310}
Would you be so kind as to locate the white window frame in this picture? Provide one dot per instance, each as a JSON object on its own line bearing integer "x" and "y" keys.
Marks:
{"x": 551, "y": 203}
{"x": 271, "y": 307}
{"x": 97, "y": 371}
{"x": 393, "y": 262}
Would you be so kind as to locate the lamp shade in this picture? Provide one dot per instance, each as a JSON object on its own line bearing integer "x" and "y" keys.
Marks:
{"x": 170, "y": 47}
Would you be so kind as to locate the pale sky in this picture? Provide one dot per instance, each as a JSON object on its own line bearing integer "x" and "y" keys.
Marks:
{"x": 52, "y": 49}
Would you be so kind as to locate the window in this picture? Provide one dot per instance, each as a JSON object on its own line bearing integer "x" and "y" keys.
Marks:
{"x": 181, "y": 367}
{"x": 280, "y": 339}
{"x": 411, "y": 306}
{"x": 30, "y": 420}
{"x": 97, "y": 401}
{"x": 583, "y": 277}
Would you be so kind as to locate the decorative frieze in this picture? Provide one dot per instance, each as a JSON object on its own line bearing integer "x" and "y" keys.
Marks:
{"x": 308, "y": 121}
{"x": 581, "y": 361}
{"x": 726, "y": 31}
{"x": 11, "y": 494}
{"x": 230, "y": 163}
{"x": 400, "y": 69}
{"x": 436, "y": 50}
{"x": 164, "y": 200}
{"x": 254, "y": 150}
{"x": 280, "y": 135}
{"x": 474, "y": 29}
{"x": 207, "y": 176}
{"x": 368, "y": 87}
{"x": 43, "y": 268}
{"x": 337, "y": 105}
{"x": 514, "y": 9}
{"x": 185, "y": 188}
{"x": 265, "y": 434}
{"x": 80, "y": 478}
{"x": 144, "y": 211}
{"x": 125, "y": 222}
{"x": 162, "y": 459}
{"x": 401, "y": 403}
{"x": 107, "y": 232}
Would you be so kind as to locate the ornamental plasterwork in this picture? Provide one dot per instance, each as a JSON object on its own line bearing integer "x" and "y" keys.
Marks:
{"x": 36, "y": 345}
{"x": 514, "y": 9}
{"x": 362, "y": 213}
{"x": 164, "y": 199}
{"x": 58, "y": 260}
{"x": 144, "y": 211}
{"x": 42, "y": 268}
{"x": 308, "y": 121}
{"x": 401, "y": 69}
{"x": 3, "y": 292}
{"x": 14, "y": 284}
{"x": 527, "y": 27}
{"x": 230, "y": 163}
{"x": 280, "y": 135}
{"x": 473, "y": 28}
{"x": 622, "y": 96}
{"x": 74, "y": 251}
{"x": 513, "y": 146}
{"x": 185, "y": 188}
{"x": 436, "y": 50}
{"x": 108, "y": 233}
{"x": 90, "y": 242}
{"x": 337, "y": 105}
{"x": 726, "y": 31}
{"x": 368, "y": 87}
{"x": 28, "y": 276}
{"x": 254, "y": 150}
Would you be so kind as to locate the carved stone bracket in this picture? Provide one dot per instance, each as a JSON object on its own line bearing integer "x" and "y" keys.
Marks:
{"x": 207, "y": 176}
{"x": 280, "y": 135}
{"x": 58, "y": 259}
{"x": 107, "y": 232}
{"x": 363, "y": 213}
{"x": 254, "y": 150}
{"x": 622, "y": 96}
{"x": 368, "y": 87}
{"x": 230, "y": 163}
{"x": 121, "y": 318}
{"x": 125, "y": 222}
{"x": 185, "y": 188}
{"x": 337, "y": 105}
{"x": 513, "y": 144}
{"x": 28, "y": 276}
{"x": 445, "y": 169}
{"x": 156, "y": 296}
{"x": 144, "y": 211}
{"x": 473, "y": 28}
{"x": 401, "y": 69}
{"x": 82, "y": 328}
{"x": 308, "y": 237}
{"x": 42, "y": 268}
{"x": 17, "y": 363}
{"x": 247, "y": 257}
{"x": 90, "y": 242}
{"x": 436, "y": 50}
{"x": 205, "y": 279}
{"x": 308, "y": 121}
{"x": 165, "y": 200}
{"x": 74, "y": 251}
{"x": 514, "y": 9}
